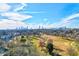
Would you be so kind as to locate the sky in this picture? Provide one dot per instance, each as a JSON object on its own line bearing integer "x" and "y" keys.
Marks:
{"x": 35, "y": 15}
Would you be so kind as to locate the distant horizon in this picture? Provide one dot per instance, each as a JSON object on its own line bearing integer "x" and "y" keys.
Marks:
{"x": 38, "y": 28}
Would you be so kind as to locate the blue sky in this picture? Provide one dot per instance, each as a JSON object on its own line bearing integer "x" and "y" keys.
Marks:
{"x": 48, "y": 15}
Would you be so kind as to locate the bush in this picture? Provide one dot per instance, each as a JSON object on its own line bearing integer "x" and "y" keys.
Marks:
{"x": 23, "y": 39}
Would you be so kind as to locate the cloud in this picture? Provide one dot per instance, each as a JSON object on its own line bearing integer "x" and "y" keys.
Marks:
{"x": 13, "y": 19}
{"x": 70, "y": 18}
{"x": 62, "y": 23}
{"x": 16, "y": 16}
{"x": 4, "y": 7}
{"x": 11, "y": 24}
{"x": 66, "y": 21}
{"x": 21, "y": 7}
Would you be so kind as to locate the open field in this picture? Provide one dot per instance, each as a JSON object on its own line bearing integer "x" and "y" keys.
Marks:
{"x": 31, "y": 47}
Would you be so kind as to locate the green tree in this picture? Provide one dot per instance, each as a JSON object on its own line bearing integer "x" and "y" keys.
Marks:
{"x": 23, "y": 39}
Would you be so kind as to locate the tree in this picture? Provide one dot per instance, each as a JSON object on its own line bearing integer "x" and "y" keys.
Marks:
{"x": 50, "y": 48}
{"x": 23, "y": 39}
